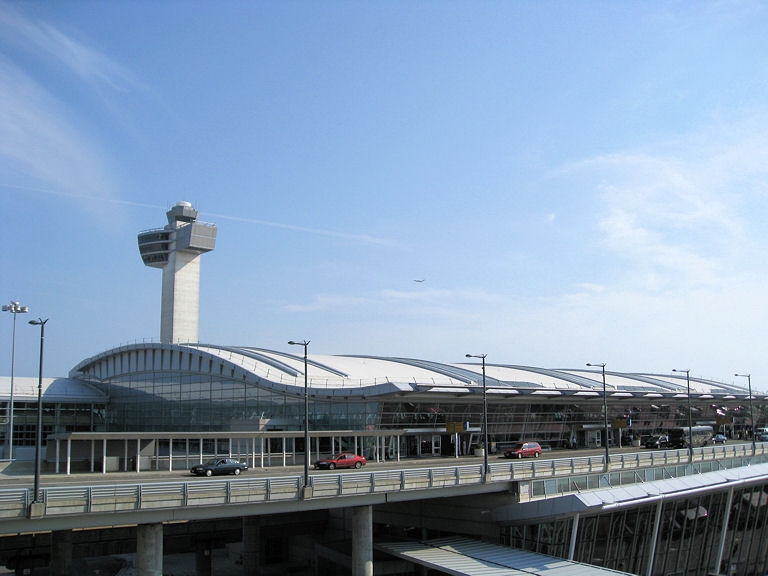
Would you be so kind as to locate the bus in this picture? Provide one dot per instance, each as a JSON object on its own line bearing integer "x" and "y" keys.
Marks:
{"x": 678, "y": 437}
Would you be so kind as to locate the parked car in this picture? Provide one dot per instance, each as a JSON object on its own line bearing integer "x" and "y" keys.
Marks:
{"x": 219, "y": 466}
{"x": 762, "y": 438}
{"x": 343, "y": 460}
{"x": 523, "y": 450}
{"x": 657, "y": 442}
{"x": 719, "y": 439}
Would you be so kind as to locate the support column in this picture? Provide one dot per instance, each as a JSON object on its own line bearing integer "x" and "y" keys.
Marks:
{"x": 724, "y": 529}
{"x": 252, "y": 546}
{"x": 574, "y": 534}
{"x": 149, "y": 550}
{"x": 655, "y": 537}
{"x": 61, "y": 553}
{"x": 203, "y": 561}
{"x": 362, "y": 541}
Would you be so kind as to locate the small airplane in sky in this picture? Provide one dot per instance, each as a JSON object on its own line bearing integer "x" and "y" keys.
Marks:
{"x": 422, "y": 280}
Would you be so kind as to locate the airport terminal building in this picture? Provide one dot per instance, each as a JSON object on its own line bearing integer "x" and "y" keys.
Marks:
{"x": 196, "y": 388}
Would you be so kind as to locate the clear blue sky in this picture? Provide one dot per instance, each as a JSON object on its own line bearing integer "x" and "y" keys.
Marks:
{"x": 574, "y": 181}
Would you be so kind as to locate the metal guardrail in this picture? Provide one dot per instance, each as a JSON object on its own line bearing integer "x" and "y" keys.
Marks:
{"x": 546, "y": 478}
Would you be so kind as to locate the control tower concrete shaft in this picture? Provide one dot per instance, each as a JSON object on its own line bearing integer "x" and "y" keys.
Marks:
{"x": 177, "y": 249}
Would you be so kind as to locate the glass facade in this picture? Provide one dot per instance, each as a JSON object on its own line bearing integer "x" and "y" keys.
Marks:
{"x": 688, "y": 539}
{"x": 188, "y": 401}
{"x": 57, "y": 417}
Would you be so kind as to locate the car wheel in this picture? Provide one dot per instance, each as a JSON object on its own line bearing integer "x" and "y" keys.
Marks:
{"x": 519, "y": 455}
{"x": 358, "y": 464}
{"x": 536, "y": 455}
{"x": 209, "y": 472}
{"x": 331, "y": 466}
{"x": 237, "y": 471}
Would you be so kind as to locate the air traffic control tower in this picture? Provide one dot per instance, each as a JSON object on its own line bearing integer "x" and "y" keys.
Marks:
{"x": 177, "y": 249}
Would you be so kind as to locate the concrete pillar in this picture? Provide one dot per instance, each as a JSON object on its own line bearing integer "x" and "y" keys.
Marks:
{"x": 61, "y": 553}
{"x": 252, "y": 546}
{"x": 149, "y": 550}
{"x": 203, "y": 561}
{"x": 362, "y": 541}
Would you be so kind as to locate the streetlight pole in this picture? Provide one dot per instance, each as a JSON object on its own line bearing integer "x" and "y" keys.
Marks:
{"x": 690, "y": 422}
{"x": 751, "y": 412}
{"x": 14, "y": 308}
{"x": 605, "y": 413}
{"x": 305, "y": 343}
{"x": 39, "y": 433}
{"x": 486, "y": 447}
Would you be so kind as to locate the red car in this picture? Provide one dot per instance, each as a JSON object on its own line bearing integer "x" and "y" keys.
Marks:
{"x": 522, "y": 449}
{"x": 343, "y": 460}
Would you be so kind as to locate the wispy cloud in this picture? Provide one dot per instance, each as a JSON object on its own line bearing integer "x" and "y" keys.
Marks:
{"x": 44, "y": 142}
{"x": 50, "y": 43}
{"x": 40, "y": 145}
{"x": 359, "y": 238}
{"x": 673, "y": 216}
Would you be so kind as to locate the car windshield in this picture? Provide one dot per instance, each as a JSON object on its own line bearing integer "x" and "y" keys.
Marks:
{"x": 211, "y": 463}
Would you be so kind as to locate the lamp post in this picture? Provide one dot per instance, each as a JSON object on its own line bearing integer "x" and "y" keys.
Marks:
{"x": 690, "y": 422}
{"x": 14, "y": 308}
{"x": 39, "y": 433}
{"x": 485, "y": 414}
{"x": 605, "y": 412}
{"x": 751, "y": 412}
{"x": 305, "y": 343}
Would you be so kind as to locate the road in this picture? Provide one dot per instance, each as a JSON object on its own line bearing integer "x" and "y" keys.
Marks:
{"x": 24, "y": 478}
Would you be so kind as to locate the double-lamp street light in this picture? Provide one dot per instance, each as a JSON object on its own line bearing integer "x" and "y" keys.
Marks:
{"x": 486, "y": 447}
{"x": 39, "y": 433}
{"x": 751, "y": 411}
{"x": 305, "y": 343}
{"x": 605, "y": 411}
{"x": 690, "y": 420}
{"x": 14, "y": 308}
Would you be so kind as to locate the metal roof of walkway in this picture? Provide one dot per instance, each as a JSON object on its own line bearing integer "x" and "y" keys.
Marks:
{"x": 467, "y": 557}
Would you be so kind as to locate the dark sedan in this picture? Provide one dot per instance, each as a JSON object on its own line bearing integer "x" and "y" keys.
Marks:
{"x": 220, "y": 466}
{"x": 661, "y": 441}
{"x": 343, "y": 460}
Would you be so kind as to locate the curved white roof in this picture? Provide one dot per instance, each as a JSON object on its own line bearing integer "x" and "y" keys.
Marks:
{"x": 68, "y": 390}
{"x": 351, "y": 375}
